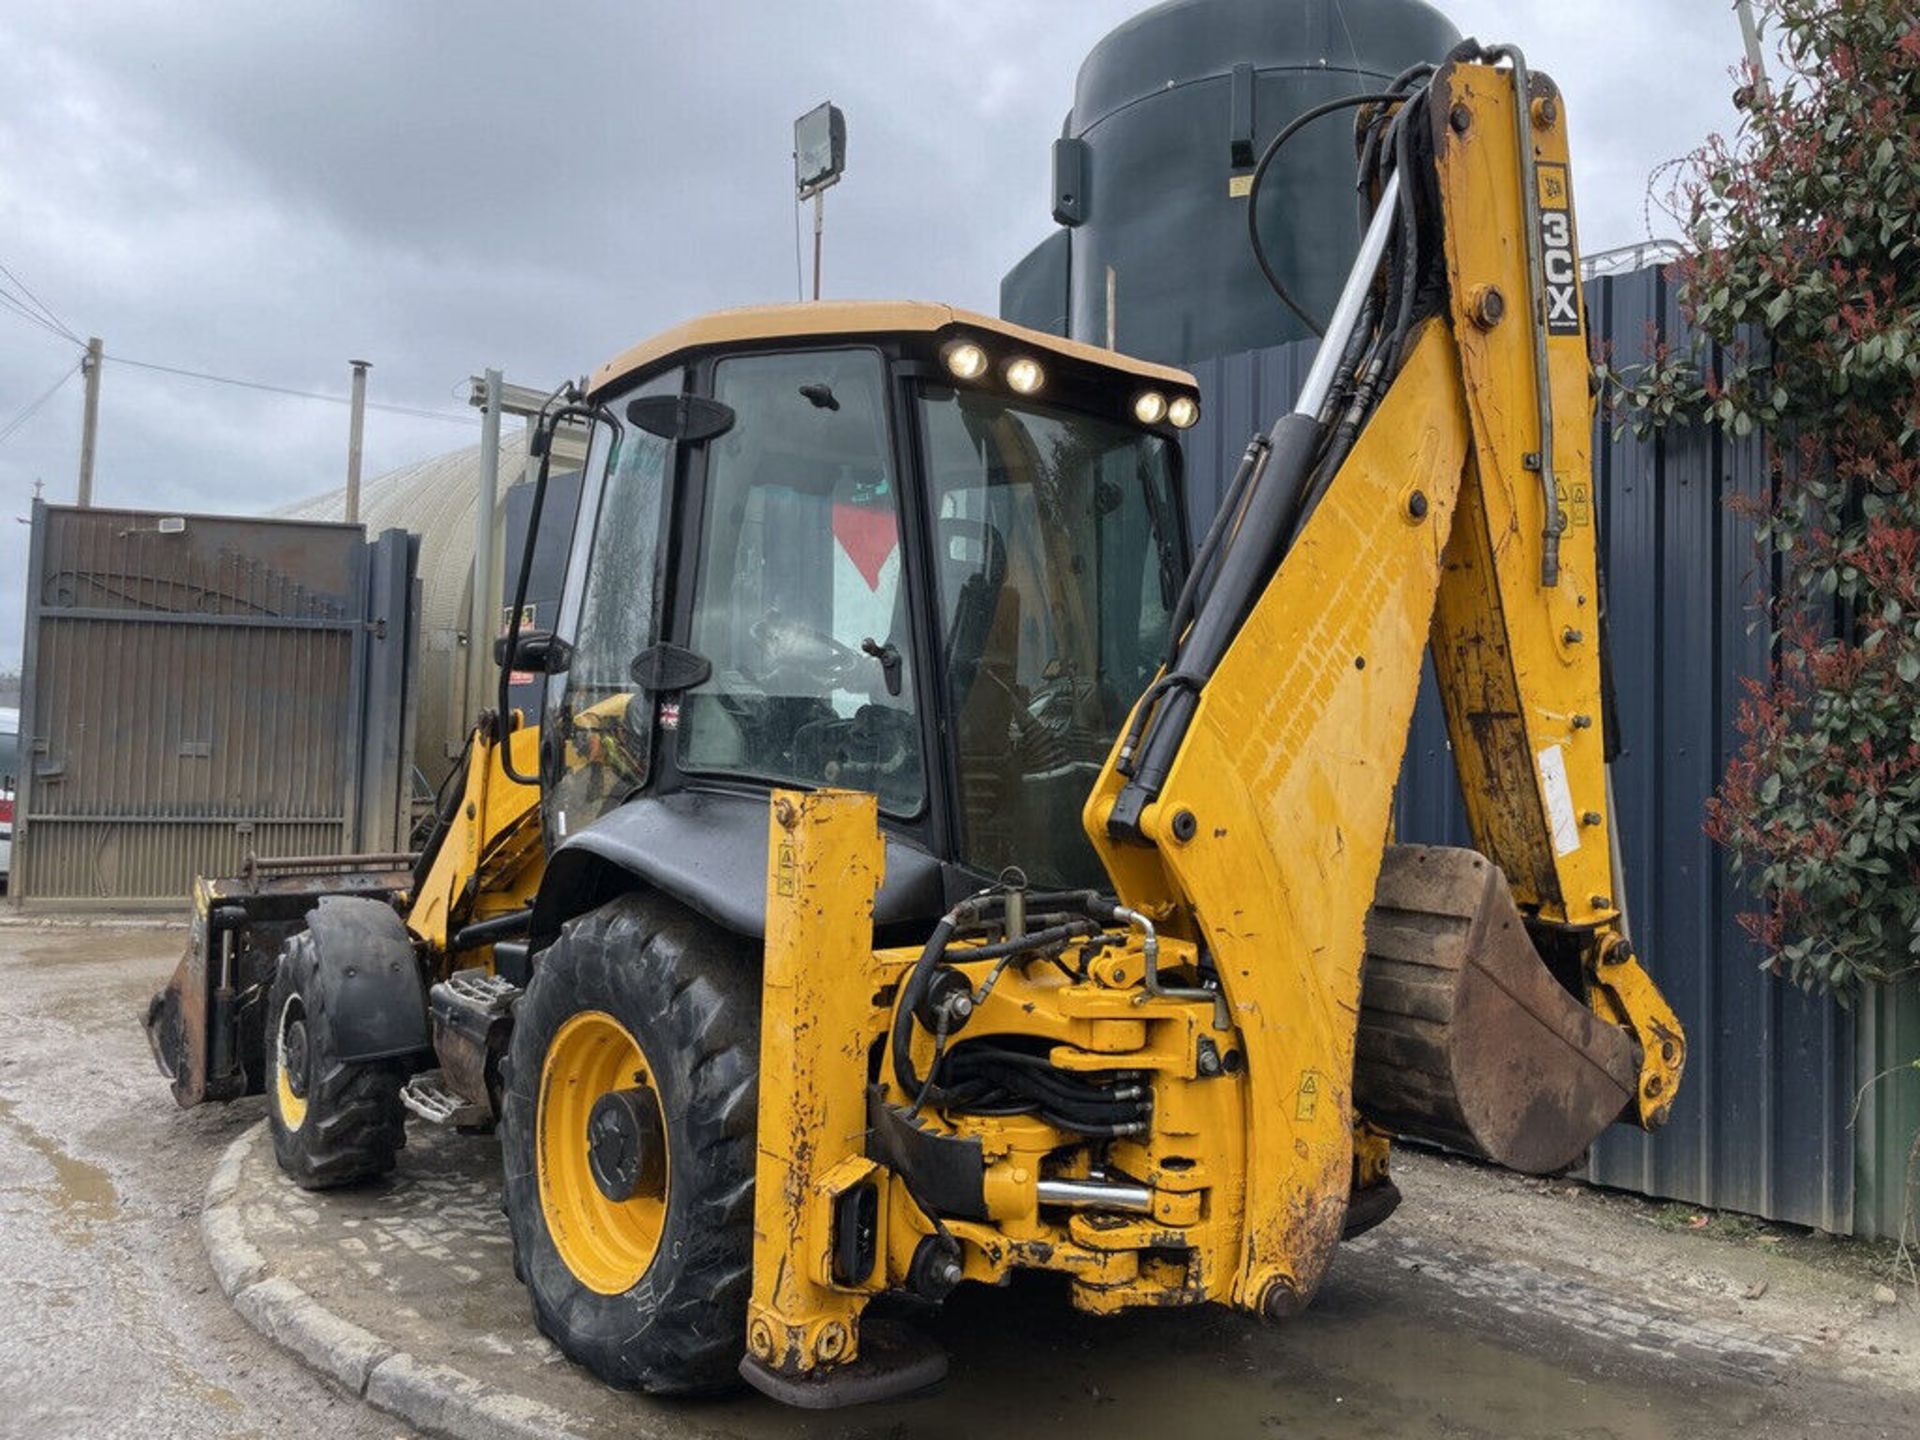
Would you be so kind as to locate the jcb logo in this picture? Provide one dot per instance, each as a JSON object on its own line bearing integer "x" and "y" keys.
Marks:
{"x": 1561, "y": 276}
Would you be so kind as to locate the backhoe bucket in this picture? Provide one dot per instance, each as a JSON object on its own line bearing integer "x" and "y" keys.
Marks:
{"x": 1466, "y": 1038}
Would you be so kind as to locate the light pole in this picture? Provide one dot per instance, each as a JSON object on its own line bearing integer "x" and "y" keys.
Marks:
{"x": 819, "y": 160}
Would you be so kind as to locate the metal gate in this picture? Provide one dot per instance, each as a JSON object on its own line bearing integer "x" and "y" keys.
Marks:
{"x": 198, "y": 689}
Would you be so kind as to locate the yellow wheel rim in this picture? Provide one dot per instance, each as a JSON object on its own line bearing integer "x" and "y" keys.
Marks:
{"x": 607, "y": 1244}
{"x": 292, "y": 1107}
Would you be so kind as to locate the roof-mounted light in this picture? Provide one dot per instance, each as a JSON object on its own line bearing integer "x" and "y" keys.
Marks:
{"x": 1149, "y": 407}
{"x": 1024, "y": 375}
{"x": 965, "y": 360}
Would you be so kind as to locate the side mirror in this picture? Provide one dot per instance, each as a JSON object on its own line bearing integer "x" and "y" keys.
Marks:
{"x": 540, "y": 651}
{"x": 690, "y": 418}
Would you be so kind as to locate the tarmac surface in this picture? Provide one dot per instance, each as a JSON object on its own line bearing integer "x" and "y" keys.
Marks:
{"x": 1489, "y": 1306}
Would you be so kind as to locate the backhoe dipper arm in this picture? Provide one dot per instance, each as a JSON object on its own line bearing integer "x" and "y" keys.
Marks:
{"x": 1247, "y": 808}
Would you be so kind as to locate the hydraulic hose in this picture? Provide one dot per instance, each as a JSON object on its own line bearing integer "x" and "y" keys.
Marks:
{"x": 1274, "y": 146}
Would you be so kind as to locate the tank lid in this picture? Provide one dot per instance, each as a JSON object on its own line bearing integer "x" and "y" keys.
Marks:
{"x": 1180, "y": 41}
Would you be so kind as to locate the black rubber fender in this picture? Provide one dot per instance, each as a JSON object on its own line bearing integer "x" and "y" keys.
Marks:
{"x": 367, "y": 981}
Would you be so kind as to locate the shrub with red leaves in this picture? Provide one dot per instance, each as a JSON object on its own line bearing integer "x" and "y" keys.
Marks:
{"x": 1805, "y": 269}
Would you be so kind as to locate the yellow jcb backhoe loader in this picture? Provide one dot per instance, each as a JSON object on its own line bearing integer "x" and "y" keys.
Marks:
{"x": 816, "y": 991}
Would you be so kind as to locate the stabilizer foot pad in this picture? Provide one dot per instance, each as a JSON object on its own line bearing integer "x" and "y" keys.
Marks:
{"x": 895, "y": 1361}
{"x": 1369, "y": 1207}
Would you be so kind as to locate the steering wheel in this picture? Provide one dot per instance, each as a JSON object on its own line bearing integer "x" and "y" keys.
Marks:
{"x": 793, "y": 646}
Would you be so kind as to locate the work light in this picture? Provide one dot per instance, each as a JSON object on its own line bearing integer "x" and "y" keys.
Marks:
{"x": 1024, "y": 375}
{"x": 965, "y": 360}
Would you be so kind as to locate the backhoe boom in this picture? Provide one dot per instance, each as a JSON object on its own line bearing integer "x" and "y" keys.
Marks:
{"x": 1406, "y": 503}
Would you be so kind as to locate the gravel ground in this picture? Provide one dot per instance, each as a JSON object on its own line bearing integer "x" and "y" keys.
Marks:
{"x": 1489, "y": 1306}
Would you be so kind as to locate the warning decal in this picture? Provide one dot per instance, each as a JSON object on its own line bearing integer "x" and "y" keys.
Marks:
{"x": 1308, "y": 1099}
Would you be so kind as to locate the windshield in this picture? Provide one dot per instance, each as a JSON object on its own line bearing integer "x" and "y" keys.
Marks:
{"x": 798, "y": 601}
{"x": 1059, "y": 557}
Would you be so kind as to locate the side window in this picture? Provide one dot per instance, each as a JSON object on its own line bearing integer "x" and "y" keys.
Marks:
{"x": 600, "y": 724}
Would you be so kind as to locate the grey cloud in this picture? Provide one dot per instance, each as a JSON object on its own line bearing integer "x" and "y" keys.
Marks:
{"x": 266, "y": 191}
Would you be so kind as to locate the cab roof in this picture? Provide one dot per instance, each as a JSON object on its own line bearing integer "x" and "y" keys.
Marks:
{"x": 833, "y": 319}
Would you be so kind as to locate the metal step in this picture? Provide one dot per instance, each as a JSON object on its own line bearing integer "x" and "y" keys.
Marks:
{"x": 427, "y": 1096}
{"x": 481, "y": 989}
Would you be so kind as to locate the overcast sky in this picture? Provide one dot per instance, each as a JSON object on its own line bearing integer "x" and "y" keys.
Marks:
{"x": 266, "y": 191}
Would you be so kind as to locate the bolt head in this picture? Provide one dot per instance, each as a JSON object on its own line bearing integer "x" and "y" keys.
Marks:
{"x": 831, "y": 1343}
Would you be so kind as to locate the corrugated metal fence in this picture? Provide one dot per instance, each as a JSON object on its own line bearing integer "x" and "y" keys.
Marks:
{"x": 1762, "y": 1123}
{"x": 201, "y": 688}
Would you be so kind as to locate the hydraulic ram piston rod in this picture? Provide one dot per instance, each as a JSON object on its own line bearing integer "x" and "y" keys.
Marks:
{"x": 1346, "y": 314}
{"x": 1253, "y": 551}
{"x": 1097, "y": 1195}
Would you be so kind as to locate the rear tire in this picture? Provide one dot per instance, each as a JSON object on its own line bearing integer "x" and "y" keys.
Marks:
{"x": 648, "y": 1291}
{"x": 334, "y": 1123}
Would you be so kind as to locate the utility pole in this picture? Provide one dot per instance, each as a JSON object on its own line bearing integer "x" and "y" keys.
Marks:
{"x": 1750, "y": 33}
{"x": 481, "y": 621}
{"x": 356, "y": 427}
{"x": 90, "y": 419}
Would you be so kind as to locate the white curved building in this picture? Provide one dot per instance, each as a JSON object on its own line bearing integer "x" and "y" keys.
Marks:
{"x": 435, "y": 500}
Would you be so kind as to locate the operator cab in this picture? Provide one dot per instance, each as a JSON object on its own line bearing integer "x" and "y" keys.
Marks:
{"x": 906, "y": 549}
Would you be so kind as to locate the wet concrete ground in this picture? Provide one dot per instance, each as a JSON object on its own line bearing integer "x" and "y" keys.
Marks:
{"x": 110, "y": 1322}
{"x": 1488, "y": 1307}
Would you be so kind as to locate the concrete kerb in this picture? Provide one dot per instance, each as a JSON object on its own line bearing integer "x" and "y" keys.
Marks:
{"x": 428, "y": 1396}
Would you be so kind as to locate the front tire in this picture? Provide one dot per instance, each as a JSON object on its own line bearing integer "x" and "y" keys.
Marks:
{"x": 627, "y": 1132}
{"x": 333, "y": 1122}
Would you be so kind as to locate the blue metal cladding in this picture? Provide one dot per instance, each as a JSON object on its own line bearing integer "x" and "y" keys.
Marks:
{"x": 1761, "y": 1124}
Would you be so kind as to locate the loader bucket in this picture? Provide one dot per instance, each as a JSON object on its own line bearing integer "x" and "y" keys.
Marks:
{"x": 206, "y": 1025}
{"x": 1466, "y": 1038}
{"x": 189, "y": 1025}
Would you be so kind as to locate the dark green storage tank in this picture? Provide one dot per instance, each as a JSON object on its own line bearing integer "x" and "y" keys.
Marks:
{"x": 1170, "y": 112}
